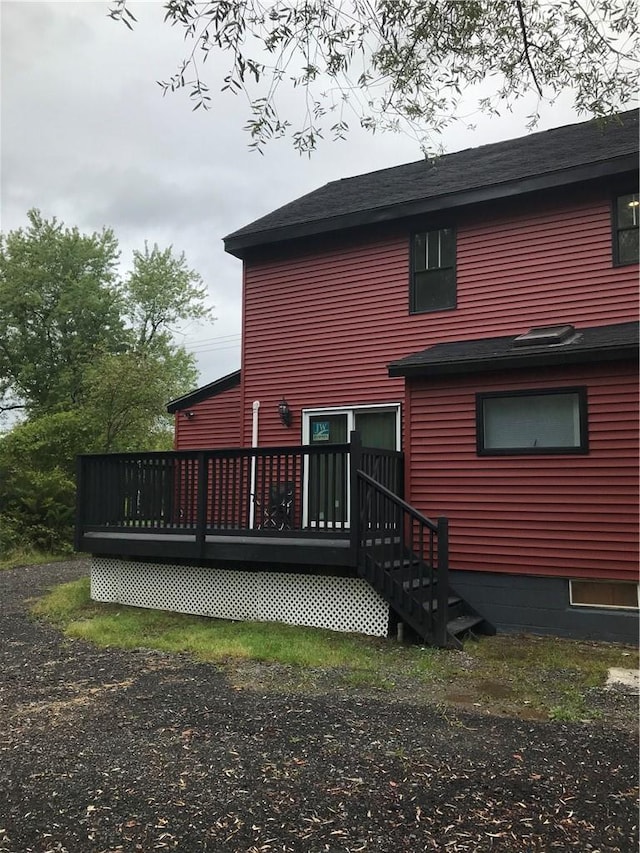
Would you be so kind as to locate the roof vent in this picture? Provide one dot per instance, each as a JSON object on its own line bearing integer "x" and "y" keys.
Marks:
{"x": 542, "y": 335}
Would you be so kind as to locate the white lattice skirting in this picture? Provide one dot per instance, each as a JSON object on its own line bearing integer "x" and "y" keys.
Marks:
{"x": 341, "y": 604}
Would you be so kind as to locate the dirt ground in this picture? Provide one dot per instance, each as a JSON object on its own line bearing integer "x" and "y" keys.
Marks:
{"x": 104, "y": 751}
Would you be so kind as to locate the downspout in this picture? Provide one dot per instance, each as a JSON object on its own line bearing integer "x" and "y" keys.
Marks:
{"x": 254, "y": 443}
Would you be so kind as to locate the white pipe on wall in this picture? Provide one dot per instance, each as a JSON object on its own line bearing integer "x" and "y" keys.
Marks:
{"x": 254, "y": 443}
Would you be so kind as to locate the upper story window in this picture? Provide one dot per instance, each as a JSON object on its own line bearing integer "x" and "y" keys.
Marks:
{"x": 433, "y": 271}
{"x": 625, "y": 229}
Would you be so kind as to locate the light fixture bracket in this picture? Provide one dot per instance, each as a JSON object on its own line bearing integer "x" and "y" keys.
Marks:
{"x": 286, "y": 416}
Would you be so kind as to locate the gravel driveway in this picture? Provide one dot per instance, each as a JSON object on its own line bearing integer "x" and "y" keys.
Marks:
{"x": 105, "y": 750}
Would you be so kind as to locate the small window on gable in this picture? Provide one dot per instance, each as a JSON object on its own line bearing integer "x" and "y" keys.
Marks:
{"x": 433, "y": 271}
{"x": 519, "y": 422}
{"x": 625, "y": 229}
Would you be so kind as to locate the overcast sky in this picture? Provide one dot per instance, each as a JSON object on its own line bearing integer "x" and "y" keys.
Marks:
{"x": 86, "y": 136}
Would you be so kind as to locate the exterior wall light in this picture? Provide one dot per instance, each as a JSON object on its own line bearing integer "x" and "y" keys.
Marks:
{"x": 189, "y": 414}
{"x": 286, "y": 416}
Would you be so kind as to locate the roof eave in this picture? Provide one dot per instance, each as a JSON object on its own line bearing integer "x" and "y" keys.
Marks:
{"x": 238, "y": 246}
{"x": 204, "y": 392}
{"x": 514, "y": 361}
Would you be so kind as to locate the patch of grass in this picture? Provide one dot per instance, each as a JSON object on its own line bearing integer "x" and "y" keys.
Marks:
{"x": 217, "y": 640}
{"x": 66, "y": 602}
{"x": 545, "y": 676}
{"x": 572, "y": 707}
{"x": 556, "y": 659}
{"x": 533, "y": 677}
{"x": 368, "y": 678}
{"x": 29, "y": 557}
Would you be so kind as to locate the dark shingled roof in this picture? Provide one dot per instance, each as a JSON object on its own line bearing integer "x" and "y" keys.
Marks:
{"x": 203, "y": 393}
{"x": 595, "y": 344}
{"x": 551, "y": 158}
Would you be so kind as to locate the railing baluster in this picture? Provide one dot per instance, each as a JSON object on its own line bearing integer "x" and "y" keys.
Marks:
{"x": 201, "y": 519}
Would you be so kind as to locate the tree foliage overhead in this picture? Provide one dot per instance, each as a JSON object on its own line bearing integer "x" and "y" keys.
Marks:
{"x": 401, "y": 64}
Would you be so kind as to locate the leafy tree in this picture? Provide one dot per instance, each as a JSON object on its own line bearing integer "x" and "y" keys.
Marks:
{"x": 59, "y": 304}
{"x": 153, "y": 310}
{"x": 64, "y": 309}
{"x": 91, "y": 359}
{"x": 391, "y": 64}
{"x": 126, "y": 396}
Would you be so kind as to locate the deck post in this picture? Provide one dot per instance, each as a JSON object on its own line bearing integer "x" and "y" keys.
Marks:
{"x": 355, "y": 463}
{"x": 201, "y": 513}
{"x": 443, "y": 583}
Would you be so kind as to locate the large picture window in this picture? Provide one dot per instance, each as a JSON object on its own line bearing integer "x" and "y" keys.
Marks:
{"x": 433, "y": 271}
{"x": 549, "y": 421}
{"x": 625, "y": 229}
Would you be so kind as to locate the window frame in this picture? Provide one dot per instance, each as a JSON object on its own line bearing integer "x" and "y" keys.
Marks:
{"x": 413, "y": 272}
{"x": 581, "y": 449}
{"x": 616, "y": 229}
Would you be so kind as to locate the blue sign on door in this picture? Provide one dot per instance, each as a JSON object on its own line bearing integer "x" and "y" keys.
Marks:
{"x": 320, "y": 431}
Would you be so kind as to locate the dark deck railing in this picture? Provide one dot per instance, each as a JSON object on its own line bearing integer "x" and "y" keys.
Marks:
{"x": 302, "y": 490}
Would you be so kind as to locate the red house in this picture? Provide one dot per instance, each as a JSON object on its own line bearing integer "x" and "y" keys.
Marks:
{"x": 471, "y": 321}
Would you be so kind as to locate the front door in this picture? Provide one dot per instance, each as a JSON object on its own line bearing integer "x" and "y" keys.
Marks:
{"x": 327, "y": 480}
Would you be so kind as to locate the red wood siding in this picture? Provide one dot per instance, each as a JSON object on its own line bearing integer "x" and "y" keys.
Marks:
{"x": 216, "y": 422}
{"x": 570, "y": 516}
{"x": 321, "y": 326}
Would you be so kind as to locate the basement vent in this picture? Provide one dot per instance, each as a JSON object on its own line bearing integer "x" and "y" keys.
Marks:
{"x": 544, "y": 335}
{"x": 620, "y": 594}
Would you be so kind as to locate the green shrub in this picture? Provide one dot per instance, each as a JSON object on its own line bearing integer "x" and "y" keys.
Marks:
{"x": 37, "y": 483}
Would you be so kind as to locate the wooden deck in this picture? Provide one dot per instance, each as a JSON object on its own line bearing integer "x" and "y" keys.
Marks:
{"x": 337, "y": 509}
{"x": 283, "y": 506}
{"x": 250, "y": 548}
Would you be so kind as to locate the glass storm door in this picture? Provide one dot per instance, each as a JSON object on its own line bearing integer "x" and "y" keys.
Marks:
{"x": 327, "y": 482}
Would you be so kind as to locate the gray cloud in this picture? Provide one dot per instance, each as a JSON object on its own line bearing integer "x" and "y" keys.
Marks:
{"x": 87, "y": 136}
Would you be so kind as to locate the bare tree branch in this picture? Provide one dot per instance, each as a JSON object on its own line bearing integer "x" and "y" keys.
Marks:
{"x": 525, "y": 41}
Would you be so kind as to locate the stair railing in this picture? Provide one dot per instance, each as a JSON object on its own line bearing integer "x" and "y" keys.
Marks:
{"x": 403, "y": 554}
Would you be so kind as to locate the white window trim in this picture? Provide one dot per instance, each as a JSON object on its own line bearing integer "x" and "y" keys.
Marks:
{"x": 350, "y": 412}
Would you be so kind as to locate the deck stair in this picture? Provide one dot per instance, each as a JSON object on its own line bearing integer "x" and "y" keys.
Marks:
{"x": 403, "y": 555}
{"x": 410, "y": 586}
{"x": 461, "y": 619}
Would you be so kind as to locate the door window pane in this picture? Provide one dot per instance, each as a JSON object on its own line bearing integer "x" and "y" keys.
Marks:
{"x": 328, "y": 429}
{"x": 327, "y": 472}
{"x": 377, "y": 429}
